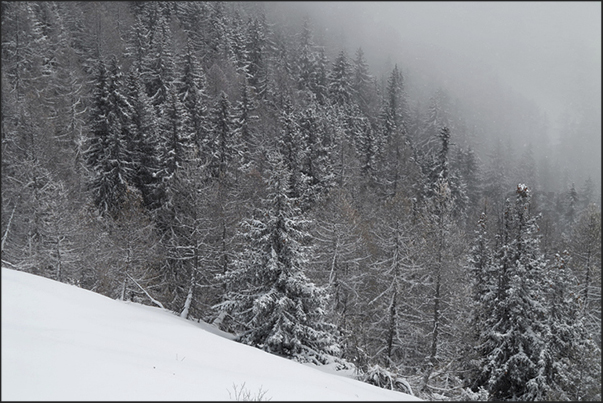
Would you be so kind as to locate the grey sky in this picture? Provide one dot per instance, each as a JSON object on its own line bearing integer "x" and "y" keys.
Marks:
{"x": 548, "y": 51}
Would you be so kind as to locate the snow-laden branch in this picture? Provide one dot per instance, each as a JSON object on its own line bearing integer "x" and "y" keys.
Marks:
{"x": 159, "y": 304}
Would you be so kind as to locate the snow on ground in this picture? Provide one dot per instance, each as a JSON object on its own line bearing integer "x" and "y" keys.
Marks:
{"x": 61, "y": 342}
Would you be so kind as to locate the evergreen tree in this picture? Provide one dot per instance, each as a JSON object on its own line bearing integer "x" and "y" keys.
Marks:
{"x": 320, "y": 85}
{"x": 340, "y": 82}
{"x": 256, "y": 45}
{"x": 292, "y": 147}
{"x": 585, "y": 249}
{"x": 191, "y": 86}
{"x": 279, "y": 309}
{"x": 245, "y": 125}
{"x": 108, "y": 155}
{"x": 362, "y": 83}
{"x": 468, "y": 169}
{"x": 143, "y": 143}
{"x": 157, "y": 67}
{"x": 315, "y": 150}
{"x": 586, "y": 191}
{"x": 442, "y": 170}
{"x": 394, "y": 147}
{"x": 437, "y": 117}
{"x": 512, "y": 339}
{"x": 215, "y": 38}
{"x": 306, "y": 61}
{"x": 496, "y": 178}
{"x": 176, "y": 142}
{"x": 572, "y": 356}
{"x": 572, "y": 200}
{"x": 222, "y": 147}
{"x": 366, "y": 145}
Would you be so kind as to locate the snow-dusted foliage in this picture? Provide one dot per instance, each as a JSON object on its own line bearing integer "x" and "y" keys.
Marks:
{"x": 107, "y": 154}
{"x": 199, "y": 154}
{"x": 527, "y": 322}
{"x": 570, "y": 349}
{"x": 269, "y": 296}
{"x": 383, "y": 378}
{"x": 512, "y": 342}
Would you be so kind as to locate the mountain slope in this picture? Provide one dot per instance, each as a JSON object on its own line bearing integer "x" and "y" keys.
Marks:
{"x": 60, "y": 342}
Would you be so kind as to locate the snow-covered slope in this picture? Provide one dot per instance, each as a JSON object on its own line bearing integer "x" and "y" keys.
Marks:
{"x": 60, "y": 342}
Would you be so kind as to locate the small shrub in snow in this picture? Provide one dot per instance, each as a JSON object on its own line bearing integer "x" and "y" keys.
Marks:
{"x": 481, "y": 395}
{"x": 383, "y": 378}
{"x": 242, "y": 394}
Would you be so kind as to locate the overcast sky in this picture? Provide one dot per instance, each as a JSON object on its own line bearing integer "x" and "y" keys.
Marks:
{"x": 548, "y": 51}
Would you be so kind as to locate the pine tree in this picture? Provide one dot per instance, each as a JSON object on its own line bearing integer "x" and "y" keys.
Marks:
{"x": 278, "y": 308}
{"x": 191, "y": 86}
{"x": 315, "y": 151}
{"x": 496, "y": 178}
{"x": 362, "y": 83}
{"x": 512, "y": 339}
{"x": 320, "y": 85}
{"x": 441, "y": 169}
{"x": 306, "y": 59}
{"x": 108, "y": 155}
{"x": 572, "y": 356}
{"x": 586, "y": 191}
{"x": 143, "y": 143}
{"x": 467, "y": 166}
{"x": 255, "y": 46}
{"x": 222, "y": 147}
{"x": 437, "y": 117}
{"x": 340, "y": 81}
{"x": 585, "y": 249}
{"x": 245, "y": 125}
{"x": 366, "y": 145}
{"x": 176, "y": 142}
{"x": 394, "y": 147}
{"x": 572, "y": 200}
{"x": 216, "y": 41}
{"x": 157, "y": 67}
{"x": 293, "y": 148}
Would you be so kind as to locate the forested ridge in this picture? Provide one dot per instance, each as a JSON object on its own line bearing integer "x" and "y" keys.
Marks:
{"x": 200, "y": 157}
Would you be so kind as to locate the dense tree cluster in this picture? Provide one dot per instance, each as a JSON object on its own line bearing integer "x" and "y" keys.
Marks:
{"x": 199, "y": 157}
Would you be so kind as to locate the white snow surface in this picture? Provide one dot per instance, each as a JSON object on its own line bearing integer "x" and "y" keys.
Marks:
{"x": 61, "y": 342}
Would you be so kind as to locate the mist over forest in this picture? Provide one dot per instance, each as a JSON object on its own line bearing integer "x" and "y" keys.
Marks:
{"x": 409, "y": 191}
{"x": 527, "y": 73}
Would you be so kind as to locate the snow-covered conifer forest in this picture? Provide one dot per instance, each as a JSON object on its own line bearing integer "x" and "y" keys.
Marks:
{"x": 253, "y": 171}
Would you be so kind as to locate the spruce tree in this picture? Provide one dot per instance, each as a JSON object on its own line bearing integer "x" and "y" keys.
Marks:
{"x": 512, "y": 340}
{"x": 191, "y": 84}
{"x": 144, "y": 143}
{"x": 279, "y": 310}
{"x": 340, "y": 81}
{"x": 362, "y": 83}
{"x": 573, "y": 359}
{"x": 108, "y": 155}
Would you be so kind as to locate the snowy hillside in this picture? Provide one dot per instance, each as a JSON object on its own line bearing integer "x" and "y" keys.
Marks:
{"x": 60, "y": 342}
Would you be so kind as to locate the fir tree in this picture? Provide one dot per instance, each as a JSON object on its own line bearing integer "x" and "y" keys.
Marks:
{"x": 513, "y": 337}
{"x": 108, "y": 155}
{"x": 191, "y": 86}
{"x": 143, "y": 143}
{"x": 570, "y": 354}
{"x": 222, "y": 147}
{"x": 306, "y": 59}
{"x": 340, "y": 84}
{"x": 362, "y": 83}
{"x": 279, "y": 309}
{"x": 256, "y": 55}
